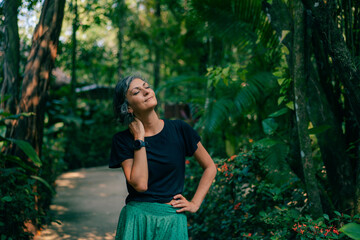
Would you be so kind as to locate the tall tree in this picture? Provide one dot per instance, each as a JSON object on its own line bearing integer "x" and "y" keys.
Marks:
{"x": 11, "y": 81}
{"x": 333, "y": 37}
{"x": 157, "y": 44}
{"x": 326, "y": 107}
{"x": 120, "y": 25}
{"x": 300, "y": 78}
{"x": 73, "y": 54}
{"x": 37, "y": 74}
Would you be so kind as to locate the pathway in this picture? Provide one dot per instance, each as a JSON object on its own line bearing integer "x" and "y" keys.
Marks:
{"x": 87, "y": 204}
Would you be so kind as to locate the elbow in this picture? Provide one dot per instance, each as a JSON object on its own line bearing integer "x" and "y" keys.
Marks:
{"x": 141, "y": 187}
{"x": 214, "y": 170}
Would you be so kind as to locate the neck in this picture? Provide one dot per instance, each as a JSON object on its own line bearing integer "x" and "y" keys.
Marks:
{"x": 152, "y": 123}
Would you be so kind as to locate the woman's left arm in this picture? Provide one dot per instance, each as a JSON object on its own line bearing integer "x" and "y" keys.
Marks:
{"x": 207, "y": 164}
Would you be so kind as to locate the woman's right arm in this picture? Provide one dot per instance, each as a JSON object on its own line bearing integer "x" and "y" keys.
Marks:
{"x": 136, "y": 169}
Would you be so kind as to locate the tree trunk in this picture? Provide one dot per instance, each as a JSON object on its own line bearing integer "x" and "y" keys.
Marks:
{"x": 121, "y": 23}
{"x": 157, "y": 46}
{"x": 357, "y": 186}
{"x": 340, "y": 54}
{"x": 37, "y": 74}
{"x": 73, "y": 57}
{"x": 333, "y": 147}
{"x": 301, "y": 113}
{"x": 11, "y": 82}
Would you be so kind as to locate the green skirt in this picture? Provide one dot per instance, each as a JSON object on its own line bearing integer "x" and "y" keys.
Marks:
{"x": 151, "y": 221}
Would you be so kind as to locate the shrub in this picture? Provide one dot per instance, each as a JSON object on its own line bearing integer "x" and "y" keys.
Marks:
{"x": 242, "y": 203}
{"x": 21, "y": 190}
{"x": 324, "y": 227}
{"x": 245, "y": 202}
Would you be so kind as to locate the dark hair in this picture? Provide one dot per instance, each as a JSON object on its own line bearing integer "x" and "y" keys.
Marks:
{"x": 120, "y": 103}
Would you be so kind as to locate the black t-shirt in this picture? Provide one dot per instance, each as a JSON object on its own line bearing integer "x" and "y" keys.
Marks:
{"x": 166, "y": 152}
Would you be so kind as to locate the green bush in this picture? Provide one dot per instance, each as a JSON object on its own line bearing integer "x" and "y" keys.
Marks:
{"x": 23, "y": 190}
{"x": 242, "y": 203}
{"x": 245, "y": 203}
{"x": 325, "y": 227}
{"x": 83, "y": 139}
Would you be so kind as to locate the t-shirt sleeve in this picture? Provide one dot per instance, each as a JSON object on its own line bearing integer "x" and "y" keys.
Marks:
{"x": 120, "y": 151}
{"x": 191, "y": 139}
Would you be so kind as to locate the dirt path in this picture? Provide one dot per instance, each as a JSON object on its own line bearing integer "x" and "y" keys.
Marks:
{"x": 88, "y": 203}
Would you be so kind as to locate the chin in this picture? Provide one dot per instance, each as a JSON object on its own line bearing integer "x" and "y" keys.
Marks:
{"x": 153, "y": 101}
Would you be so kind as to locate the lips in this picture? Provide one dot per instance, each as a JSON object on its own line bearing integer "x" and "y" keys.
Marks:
{"x": 148, "y": 99}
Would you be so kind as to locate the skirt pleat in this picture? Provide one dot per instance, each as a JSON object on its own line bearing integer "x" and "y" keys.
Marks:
{"x": 151, "y": 221}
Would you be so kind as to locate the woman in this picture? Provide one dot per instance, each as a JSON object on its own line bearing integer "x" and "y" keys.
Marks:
{"x": 152, "y": 154}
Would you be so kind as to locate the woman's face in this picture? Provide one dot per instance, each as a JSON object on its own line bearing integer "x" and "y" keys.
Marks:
{"x": 140, "y": 96}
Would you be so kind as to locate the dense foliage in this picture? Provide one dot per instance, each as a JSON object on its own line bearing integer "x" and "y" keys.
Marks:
{"x": 225, "y": 66}
{"x": 245, "y": 203}
{"x": 22, "y": 200}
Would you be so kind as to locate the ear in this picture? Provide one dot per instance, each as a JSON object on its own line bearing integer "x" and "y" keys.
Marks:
{"x": 130, "y": 110}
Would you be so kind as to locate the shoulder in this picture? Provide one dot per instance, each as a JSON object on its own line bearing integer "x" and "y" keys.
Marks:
{"x": 177, "y": 125}
{"x": 122, "y": 135}
{"x": 180, "y": 126}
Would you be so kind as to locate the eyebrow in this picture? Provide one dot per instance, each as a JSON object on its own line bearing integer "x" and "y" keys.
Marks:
{"x": 138, "y": 87}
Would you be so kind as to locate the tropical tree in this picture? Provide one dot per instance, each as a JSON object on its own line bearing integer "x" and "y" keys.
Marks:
{"x": 11, "y": 82}
{"x": 35, "y": 82}
{"x": 330, "y": 110}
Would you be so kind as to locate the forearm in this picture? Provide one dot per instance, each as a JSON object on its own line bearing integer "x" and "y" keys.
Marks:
{"x": 205, "y": 182}
{"x": 139, "y": 171}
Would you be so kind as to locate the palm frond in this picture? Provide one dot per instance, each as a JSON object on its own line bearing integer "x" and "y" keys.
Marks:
{"x": 236, "y": 20}
{"x": 274, "y": 154}
{"x": 216, "y": 113}
{"x": 256, "y": 88}
{"x": 183, "y": 88}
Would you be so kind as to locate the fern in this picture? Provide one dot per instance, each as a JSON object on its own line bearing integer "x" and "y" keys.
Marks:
{"x": 274, "y": 154}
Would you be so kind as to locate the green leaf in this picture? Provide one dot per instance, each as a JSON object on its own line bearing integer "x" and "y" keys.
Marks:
{"x": 6, "y": 199}
{"x": 281, "y": 99}
{"x": 326, "y": 217}
{"x": 6, "y": 97}
{"x": 269, "y": 126}
{"x": 28, "y": 150}
{"x": 279, "y": 113}
{"x": 290, "y": 105}
{"x": 319, "y": 129}
{"x": 230, "y": 149}
{"x": 337, "y": 213}
{"x": 44, "y": 182}
{"x": 16, "y": 116}
{"x": 17, "y": 161}
{"x": 352, "y": 230}
{"x": 280, "y": 81}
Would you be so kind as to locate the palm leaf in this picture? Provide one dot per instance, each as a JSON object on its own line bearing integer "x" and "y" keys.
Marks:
{"x": 43, "y": 181}
{"x": 256, "y": 88}
{"x": 216, "y": 113}
{"x": 27, "y": 149}
{"x": 274, "y": 157}
{"x": 236, "y": 20}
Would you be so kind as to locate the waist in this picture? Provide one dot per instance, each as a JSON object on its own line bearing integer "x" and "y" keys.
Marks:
{"x": 149, "y": 197}
{"x": 154, "y": 208}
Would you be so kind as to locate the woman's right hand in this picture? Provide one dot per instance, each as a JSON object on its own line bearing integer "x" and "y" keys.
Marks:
{"x": 137, "y": 129}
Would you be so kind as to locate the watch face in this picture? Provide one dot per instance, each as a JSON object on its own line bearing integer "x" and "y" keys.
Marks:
{"x": 138, "y": 144}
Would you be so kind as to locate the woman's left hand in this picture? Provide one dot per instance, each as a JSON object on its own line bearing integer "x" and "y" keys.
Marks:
{"x": 180, "y": 201}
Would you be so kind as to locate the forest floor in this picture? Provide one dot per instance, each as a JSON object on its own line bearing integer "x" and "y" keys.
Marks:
{"x": 87, "y": 205}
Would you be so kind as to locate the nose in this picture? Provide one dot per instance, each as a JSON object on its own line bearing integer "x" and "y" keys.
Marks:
{"x": 146, "y": 91}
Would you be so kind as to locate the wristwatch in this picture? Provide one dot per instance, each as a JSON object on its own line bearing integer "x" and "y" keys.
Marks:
{"x": 139, "y": 144}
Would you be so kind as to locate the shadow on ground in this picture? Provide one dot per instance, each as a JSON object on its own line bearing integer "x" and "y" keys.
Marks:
{"x": 87, "y": 205}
